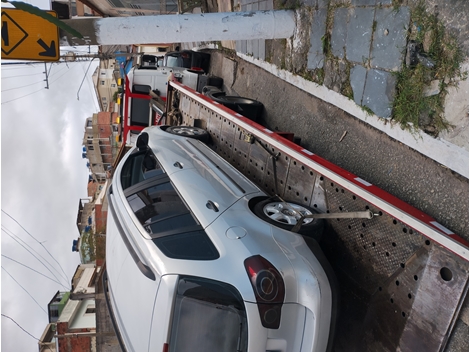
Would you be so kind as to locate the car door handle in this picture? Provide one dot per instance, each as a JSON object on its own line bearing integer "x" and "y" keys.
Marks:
{"x": 178, "y": 165}
{"x": 211, "y": 205}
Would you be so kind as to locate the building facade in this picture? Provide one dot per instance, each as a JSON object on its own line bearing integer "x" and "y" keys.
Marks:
{"x": 105, "y": 84}
{"x": 74, "y": 330}
{"x": 101, "y": 143}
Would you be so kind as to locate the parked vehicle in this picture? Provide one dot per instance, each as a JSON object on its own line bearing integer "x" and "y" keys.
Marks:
{"x": 200, "y": 259}
{"x": 146, "y": 89}
{"x": 189, "y": 59}
{"x": 151, "y": 61}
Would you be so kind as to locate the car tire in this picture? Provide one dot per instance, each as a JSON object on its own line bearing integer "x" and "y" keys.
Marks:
{"x": 247, "y": 107}
{"x": 190, "y": 132}
{"x": 276, "y": 213}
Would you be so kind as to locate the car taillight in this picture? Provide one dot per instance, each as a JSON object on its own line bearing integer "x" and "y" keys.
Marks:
{"x": 269, "y": 290}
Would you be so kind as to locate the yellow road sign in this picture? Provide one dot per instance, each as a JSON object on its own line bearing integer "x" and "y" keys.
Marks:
{"x": 29, "y": 37}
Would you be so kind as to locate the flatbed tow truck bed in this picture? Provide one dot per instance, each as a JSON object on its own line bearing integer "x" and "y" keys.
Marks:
{"x": 402, "y": 275}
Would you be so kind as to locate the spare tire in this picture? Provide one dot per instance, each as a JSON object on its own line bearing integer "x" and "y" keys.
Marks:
{"x": 247, "y": 107}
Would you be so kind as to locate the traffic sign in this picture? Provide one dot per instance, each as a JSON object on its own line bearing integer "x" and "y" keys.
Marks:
{"x": 29, "y": 37}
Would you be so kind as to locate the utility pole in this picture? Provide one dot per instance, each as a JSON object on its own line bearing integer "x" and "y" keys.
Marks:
{"x": 273, "y": 24}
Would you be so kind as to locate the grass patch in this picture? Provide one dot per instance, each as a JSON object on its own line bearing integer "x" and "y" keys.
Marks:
{"x": 410, "y": 107}
{"x": 346, "y": 88}
{"x": 367, "y": 110}
{"x": 287, "y": 4}
{"x": 318, "y": 76}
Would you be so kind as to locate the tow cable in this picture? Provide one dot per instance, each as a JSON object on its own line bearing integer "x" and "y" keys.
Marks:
{"x": 249, "y": 138}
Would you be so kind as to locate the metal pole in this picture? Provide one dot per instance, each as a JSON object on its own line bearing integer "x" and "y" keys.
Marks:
{"x": 273, "y": 24}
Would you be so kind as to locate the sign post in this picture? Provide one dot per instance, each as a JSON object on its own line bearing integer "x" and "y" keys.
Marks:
{"x": 29, "y": 37}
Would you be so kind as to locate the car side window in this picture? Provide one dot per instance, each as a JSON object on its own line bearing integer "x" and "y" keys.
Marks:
{"x": 169, "y": 222}
{"x": 159, "y": 208}
{"x": 139, "y": 166}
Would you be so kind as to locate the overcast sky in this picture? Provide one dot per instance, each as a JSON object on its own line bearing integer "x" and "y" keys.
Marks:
{"x": 43, "y": 177}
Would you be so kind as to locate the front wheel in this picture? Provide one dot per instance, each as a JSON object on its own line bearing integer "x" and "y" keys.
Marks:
{"x": 190, "y": 132}
{"x": 285, "y": 215}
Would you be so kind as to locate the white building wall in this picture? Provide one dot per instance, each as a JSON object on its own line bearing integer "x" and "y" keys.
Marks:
{"x": 81, "y": 319}
{"x": 83, "y": 285}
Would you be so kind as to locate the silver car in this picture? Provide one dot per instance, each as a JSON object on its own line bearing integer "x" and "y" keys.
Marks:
{"x": 198, "y": 258}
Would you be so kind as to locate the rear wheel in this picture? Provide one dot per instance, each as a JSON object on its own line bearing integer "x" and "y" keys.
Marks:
{"x": 190, "y": 132}
{"x": 286, "y": 215}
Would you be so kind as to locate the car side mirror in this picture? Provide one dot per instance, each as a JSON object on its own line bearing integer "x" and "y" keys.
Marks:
{"x": 143, "y": 141}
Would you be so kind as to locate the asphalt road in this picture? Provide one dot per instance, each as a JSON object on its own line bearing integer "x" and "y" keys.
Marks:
{"x": 364, "y": 151}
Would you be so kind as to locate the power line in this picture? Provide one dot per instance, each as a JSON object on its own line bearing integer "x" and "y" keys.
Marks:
{"x": 31, "y": 74}
{"x": 39, "y": 90}
{"x": 6, "y": 316}
{"x": 29, "y": 85}
{"x": 9, "y": 101}
{"x": 19, "y": 68}
{"x": 47, "y": 277}
{"x": 24, "y": 289}
{"x": 93, "y": 98}
{"x": 11, "y": 217}
{"x": 16, "y": 238}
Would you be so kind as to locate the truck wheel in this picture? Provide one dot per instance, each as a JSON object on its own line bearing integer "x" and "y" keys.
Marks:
{"x": 190, "y": 132}
{"x": 281, "y": 215}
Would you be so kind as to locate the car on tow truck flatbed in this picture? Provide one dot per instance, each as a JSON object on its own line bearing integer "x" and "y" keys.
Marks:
{"x": 204, "y": 260}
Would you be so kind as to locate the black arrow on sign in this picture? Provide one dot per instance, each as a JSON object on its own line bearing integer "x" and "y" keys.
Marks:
{"x": 48, "y": 50}
{"x": 5, "y": 33}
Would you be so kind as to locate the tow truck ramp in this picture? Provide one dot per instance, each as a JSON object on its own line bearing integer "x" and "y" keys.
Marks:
{"x": 402, "y": 275}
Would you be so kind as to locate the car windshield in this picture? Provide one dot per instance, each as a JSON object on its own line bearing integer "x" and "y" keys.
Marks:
{"x": 208, "y": 316}
{"x": 172, "y": 61}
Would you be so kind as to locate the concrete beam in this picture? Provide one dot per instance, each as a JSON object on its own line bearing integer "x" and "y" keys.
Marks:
{"x": 181, "y": 28}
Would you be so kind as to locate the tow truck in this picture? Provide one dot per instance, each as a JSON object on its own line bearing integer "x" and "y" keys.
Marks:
{"x": 403, "y": 276}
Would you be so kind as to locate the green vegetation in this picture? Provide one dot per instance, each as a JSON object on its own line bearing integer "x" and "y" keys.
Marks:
{"x": 367, "y": 110}
{"x": 287, "y": 4}
{"x": 318, "y": 75}
{"x": 88, "y": 245}
{"x": 410, "y": 107}
{"x": 346, "y": 88}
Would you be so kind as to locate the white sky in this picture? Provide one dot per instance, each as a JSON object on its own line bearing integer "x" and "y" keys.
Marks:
{"x": 43, "y": 177}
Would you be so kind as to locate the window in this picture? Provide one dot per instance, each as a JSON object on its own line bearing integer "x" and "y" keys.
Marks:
{"x": 195, "y": 245}
{"x": 102, "y": 83}
{"x": 90, "y": 310}
{"x": 90, "y": 147}
{"x": 103, "y": 98}
{"x": 54, "y": 310}
{"x": 202, "y": 309}
{"x": 160, "y": 210}
{"x": 139, "y": 167}
{"x": 113, "y": 85}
